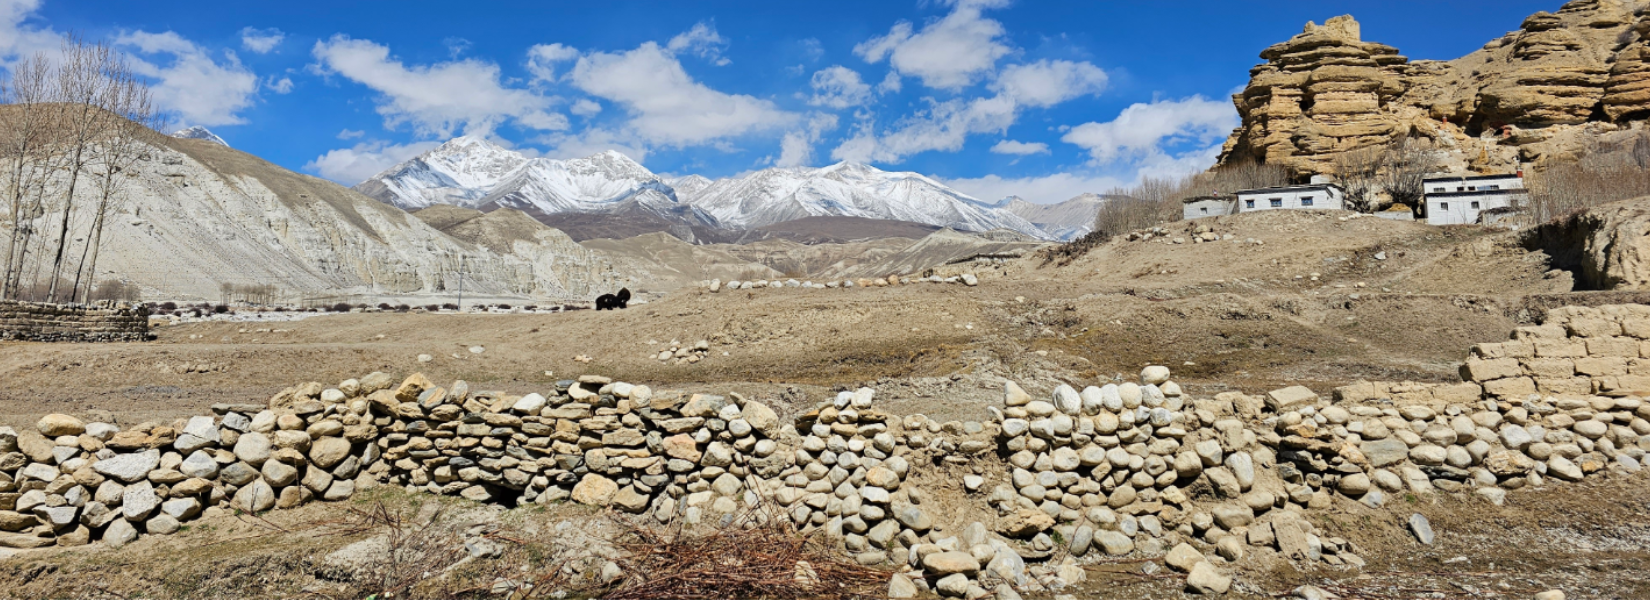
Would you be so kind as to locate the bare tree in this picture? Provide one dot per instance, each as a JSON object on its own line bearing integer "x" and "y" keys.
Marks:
{"x": 1377, "y": 176}
{"x": 26, "y": 129}
{"x": 80, "y": 119}
{"x": 124, "y": 141}
{"x": 87, "y": 88}
{"x": 1157, "y": 200}
{"x": 1359, "y": 173}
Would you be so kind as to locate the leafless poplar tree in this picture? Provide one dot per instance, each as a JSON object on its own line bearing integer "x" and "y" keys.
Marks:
{"x": 80, "y": 115}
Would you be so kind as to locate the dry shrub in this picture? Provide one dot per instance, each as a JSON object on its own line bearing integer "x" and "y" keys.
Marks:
{"x": 1604, "y": 174}
{"x": 1375, "y": 176}
{"x": 413, "y": 549}
{"x": 1155, "y": 201}
{"x": 751, "y": 556}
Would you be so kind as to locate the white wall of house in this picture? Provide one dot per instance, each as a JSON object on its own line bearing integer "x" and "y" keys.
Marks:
{"x": 1463, "y": 208}
{"x": 1305, "y": 197}
{"x": 1206, "y": 207}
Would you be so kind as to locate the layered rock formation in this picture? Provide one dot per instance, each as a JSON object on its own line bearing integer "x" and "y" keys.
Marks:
{"x": 1538, "y": 93}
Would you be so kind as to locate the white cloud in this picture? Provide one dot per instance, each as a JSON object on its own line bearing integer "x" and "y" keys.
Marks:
{"x": 667, "y": 106}
{"x": 19, "y": 39}
{"x": 279, "y": 86}
{"x": 543, "y": 58}
{"x": 350, "y": 134}
{"x": 702, "y": 41}
{"x": 796, "y": 149}
{"x": 950, "y": 53}
{"x": 943, "y": 126}
{"x": 1019, "y": 148}
{"x": 1153, "y": 130}
{"x": 1047, "y": 189}
{"x": 349, "y": 166}
{"x": 839, "y": 87}
{"x": 1047, "y": 83}
{"x": 437, "y": 100}
{"x": 188, "y": 81}
{"x": 586, "y": 107}
{"x": 261, "y": 41}
{"x": 890, "y": 84}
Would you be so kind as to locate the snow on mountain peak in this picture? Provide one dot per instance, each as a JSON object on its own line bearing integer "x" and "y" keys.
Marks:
{"x": 199, "y": 133}
{"x": 474, "y": 172}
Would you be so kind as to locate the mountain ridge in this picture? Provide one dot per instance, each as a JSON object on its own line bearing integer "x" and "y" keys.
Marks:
{"x": 475, "y": 173}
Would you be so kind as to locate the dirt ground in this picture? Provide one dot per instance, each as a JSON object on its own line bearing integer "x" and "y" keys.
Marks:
{"x": 1320, "y": 301}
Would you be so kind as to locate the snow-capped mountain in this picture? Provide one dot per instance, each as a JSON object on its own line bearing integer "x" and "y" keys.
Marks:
{"x": 1065, "y": 220}
{"x": 475, "y": 173}
{"x": 849, "y": 189}
{"x": 199, "y": 133}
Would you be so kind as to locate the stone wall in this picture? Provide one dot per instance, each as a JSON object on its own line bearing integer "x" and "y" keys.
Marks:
{"x": 101, "y": 322}
{"x": 1116, "y": 469}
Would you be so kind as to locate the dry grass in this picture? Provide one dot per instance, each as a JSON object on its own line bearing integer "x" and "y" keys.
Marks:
{"x": 751, "y": 556}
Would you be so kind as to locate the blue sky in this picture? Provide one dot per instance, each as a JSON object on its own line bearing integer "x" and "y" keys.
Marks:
{"x": 1042, "y": 99}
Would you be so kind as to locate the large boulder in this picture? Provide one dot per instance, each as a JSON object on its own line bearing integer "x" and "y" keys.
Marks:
{"x": 595, "y": 490}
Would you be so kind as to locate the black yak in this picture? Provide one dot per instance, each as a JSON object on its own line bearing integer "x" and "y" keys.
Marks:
{"x": 613, "y": 301}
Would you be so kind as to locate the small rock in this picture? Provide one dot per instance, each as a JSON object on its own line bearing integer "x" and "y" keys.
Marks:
{"x": 1205, "y": 579}
{"x": 1421, "y": 528}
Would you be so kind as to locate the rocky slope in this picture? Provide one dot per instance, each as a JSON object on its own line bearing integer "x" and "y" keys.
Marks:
{"x": 1547, "y": 91}
{"x": 199, "y": 214}
{"x": 1606, "y": 248}
{"x": 626, "y": 197}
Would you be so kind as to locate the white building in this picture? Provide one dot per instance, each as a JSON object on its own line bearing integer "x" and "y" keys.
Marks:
{"x": 1324, "y": 196}
{"x": 1459, "y": 200}
{"x": 1207, "y": 206}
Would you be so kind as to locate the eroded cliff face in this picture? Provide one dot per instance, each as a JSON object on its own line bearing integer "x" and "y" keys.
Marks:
{"x": 197, "y": 215}
{"x": 1545, "y": 91}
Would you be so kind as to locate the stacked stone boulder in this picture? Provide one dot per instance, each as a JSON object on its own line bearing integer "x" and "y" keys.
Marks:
{"x": 1558, "y": 401}
{"x": 717, "y": 285}
{"x": 591, "y": 440}
{"x": 73, "y": 482}
{"x": 103, "y": 321}
{"x": 1113, "y": 468}
{"x": 1118, "y": 469}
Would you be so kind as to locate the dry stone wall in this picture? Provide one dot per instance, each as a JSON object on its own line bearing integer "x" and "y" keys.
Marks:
{"x": 1114, "y": 469}
{"x": 102, "y": 322}
{"x": 717, "y": 285}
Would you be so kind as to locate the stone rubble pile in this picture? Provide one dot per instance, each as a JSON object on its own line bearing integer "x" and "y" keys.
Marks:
{"x": 682, "y": 354}
{"x": 717, "y": 285}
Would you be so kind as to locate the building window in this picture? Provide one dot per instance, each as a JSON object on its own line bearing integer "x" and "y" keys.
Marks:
{"x": 1306, "y": 201}
{"x": 1277, "y": 203}
{"x": 1475, "y": 205}
{"x": 1443, "y": 206}
{"x": 1248, "y": 203}
{"x": 1205, "y": 210}
{"x": 1489, "y": 187}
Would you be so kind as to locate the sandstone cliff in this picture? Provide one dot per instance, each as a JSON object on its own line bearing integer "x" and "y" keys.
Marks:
{"x": 1550, "y": 90}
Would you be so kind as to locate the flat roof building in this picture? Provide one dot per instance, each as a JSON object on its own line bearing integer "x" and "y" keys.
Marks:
{"x": 1207, "y": 206}
{"x": 1327, "y": 196}
{"x": 1462, "y": 200}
